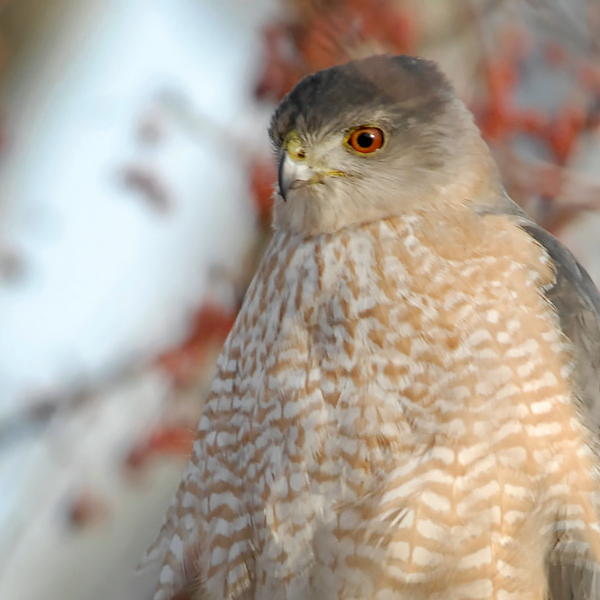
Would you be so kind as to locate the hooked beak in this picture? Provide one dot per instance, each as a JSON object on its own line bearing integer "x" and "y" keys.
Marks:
{"x": 292, "y": 174}
{"x": 296, "y": 173}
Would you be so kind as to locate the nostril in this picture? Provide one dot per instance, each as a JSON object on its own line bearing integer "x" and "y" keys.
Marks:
{"x": 301, "y": 154}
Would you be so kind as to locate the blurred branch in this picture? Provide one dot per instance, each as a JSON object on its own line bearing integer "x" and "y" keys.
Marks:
{"x": 37, "y": 413}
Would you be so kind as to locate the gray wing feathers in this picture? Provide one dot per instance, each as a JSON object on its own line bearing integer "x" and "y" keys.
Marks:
{"x": 577, "y": 303}
{"x": 573, "y": 582}
{"x": 575, "y": 298}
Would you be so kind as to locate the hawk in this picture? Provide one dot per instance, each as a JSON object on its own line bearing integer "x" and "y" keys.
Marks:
{"x": 408, "y": 403}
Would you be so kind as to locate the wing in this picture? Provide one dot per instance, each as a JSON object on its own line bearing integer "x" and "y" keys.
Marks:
{"x": 577, "y": 303}
{"x": 573, "y": 581}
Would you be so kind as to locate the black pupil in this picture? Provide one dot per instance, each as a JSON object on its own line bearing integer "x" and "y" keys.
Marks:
{"x": 365, "y": 140}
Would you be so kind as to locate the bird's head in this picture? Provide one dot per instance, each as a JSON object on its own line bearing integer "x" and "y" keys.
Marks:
{"x": 371, "y": 139}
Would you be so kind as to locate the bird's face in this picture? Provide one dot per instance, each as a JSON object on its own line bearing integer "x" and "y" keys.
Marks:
{"x": 341, "y": 174}
{"x": 369, "y": 140}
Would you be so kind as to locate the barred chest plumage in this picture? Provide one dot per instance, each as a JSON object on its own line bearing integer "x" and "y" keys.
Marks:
{"x": 391, "y": 397}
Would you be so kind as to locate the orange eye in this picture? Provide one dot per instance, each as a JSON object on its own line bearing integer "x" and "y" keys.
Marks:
{"x": 366, "y": 139}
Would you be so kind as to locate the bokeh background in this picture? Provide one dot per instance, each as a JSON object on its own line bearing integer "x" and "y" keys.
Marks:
{"x": 135, "y": 183}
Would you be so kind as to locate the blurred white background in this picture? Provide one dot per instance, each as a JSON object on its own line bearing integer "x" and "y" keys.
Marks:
{"x": 101, "y": 96}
